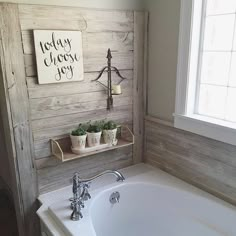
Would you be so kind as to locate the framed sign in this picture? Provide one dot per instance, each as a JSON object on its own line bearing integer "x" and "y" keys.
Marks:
{"x": 59, "y": 56}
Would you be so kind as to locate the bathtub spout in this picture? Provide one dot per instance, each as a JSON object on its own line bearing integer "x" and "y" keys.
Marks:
{"x": 81, "y": 194}
{"x": 117, "y": 174}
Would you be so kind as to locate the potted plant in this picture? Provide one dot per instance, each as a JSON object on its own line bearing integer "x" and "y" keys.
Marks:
{"x": 78, "y": 137}
{"x": 109, "y": 132}
{"x": 94, "y": 133}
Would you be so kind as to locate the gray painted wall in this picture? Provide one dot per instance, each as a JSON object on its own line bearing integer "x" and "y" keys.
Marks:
{"x": 163, "y": 53}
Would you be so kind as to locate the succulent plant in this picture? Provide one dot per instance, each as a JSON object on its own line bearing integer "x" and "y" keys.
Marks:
{"x": 80, "y": 131}
{"x": 95, "y": 127}
{"x": 110, "y": 125}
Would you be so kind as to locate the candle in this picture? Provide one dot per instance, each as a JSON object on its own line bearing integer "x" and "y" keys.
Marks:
{"x": 116, "y": 89}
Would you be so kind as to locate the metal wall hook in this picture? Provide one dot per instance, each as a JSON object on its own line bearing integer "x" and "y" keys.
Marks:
{"x": 109, "y": 69}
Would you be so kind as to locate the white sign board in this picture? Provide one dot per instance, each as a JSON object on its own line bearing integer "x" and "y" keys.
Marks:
{"x": 59, "y": 56}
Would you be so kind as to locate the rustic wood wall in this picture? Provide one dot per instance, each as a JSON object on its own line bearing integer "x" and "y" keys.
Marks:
{"x": 5, "y": 176}
{"x": 16, "y": 124}
{"x": 56, "y": 109}
{"x": 206, "y": 163}
{"x": 33, "y": 114}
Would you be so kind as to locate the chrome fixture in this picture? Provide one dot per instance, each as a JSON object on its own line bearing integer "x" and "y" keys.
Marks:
{"x": 81, "y": 194}
{"x": 114, "y": 198}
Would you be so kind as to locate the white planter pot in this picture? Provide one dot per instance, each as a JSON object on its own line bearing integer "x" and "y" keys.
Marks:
{"x": 78, "y": 142}
{"x": 94, "y": 139}
{"x": 110, "y": 136}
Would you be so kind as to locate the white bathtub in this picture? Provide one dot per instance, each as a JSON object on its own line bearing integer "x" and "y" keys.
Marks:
{"x": 151, "y": 204}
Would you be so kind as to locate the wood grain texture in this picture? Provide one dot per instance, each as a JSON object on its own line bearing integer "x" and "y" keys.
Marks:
{"x": 56, "y": 109}
{"x": 206, "y": 163}
{"x": 41, "y": 112}
{"x": 85, "y": 99}
{"x": 93, "y": 43}
{"x": 139, "y": 108}
{"x": 92, "y": 62}
{"x": 145, "y": 66}
{"x": 40, "y": 17}
{"x": 36, "y": 113}
{"x": 60, "y": 175}
{"x": 4, "y": 162}
{"x": 44, "y": 124}
{"x": 74, "y": 13}
{"x": 87, "y": 86}
{"x": 17, "y": 115}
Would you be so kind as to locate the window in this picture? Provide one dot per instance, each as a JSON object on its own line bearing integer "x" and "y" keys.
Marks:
{"x": 206, "y": 83}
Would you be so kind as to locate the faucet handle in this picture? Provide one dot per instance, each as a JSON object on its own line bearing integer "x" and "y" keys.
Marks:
{"x": 85, "y": 194}
{"x": 87, "y": 185}
{"x": 81, "y": 204}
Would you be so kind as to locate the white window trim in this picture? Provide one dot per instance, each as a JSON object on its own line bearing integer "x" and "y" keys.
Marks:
{"x": 184, "y": 117}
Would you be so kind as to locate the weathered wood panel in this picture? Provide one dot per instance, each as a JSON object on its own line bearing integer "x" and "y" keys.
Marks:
{"x": 41, "y": 111}
{"x": 4, "y": 162}
{"x": 59, "y": 103}
{"x": 92, "y": 63}
{"x": 53, "y": 110}
{"x": 206, "y": 163}
{"x": 75, "y": 13}
{"x": 82, "y": 25}
{"x": 60, "y": 175}
{"x": 79, "y": 117}
{"x": 84, "y": 99}
{"x": 59, "y": 131}
{"x": 93, "y": 43}
{"x": 140, "y": 31}
{"x": 56, "y": 109}
{"x": 16, "y": 115}
{"x": 50, "y": 90}
{"x": 42, "y": 17}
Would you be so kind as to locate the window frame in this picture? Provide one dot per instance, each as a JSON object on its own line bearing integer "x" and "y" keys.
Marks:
{"x": 185, "y": 117}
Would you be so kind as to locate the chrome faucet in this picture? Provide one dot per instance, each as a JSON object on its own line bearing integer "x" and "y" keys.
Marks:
{"x": 81, "y": 194}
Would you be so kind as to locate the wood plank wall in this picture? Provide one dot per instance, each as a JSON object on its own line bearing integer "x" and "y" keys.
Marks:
{"x": 15, "y": 116}
{"x": 206, "y": 163}
{"x": 56, "y": 109}
{"x": 32, "y": 113}
{"x": 4, "y": 162}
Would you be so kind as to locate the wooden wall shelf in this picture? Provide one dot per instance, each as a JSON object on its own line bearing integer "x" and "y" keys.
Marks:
{"x": 61, "y": 148}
